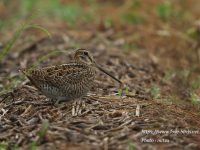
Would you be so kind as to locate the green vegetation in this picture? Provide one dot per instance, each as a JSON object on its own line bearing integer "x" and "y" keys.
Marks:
{"x": 41, "y": 133}
{"x": 164, "y": 10}
{"x": 194, "y": 98}
{"x": 131, "y": 146}
{"x": 128, "y": 47}
{"x": 136, "y": 4}
{"x": 33, "y": 145}
{"x": 108, "y": 22}
{"x": 196, "y": 83}
{"x": 120, "y": 92}
{"x": 133, "y": 18}
{"x": 133, "y": 14}
{"x": 43, "y": 129}
{"x": 124, "y": 91}
{"x": 192, "y": 33}
{"x": 27, "y": 6}
{"x": 190, "y": 84}
{"x": 169, "y": 74}
{"x": 13, "y": 82}
{"x": 70, "y": 13}
{"x": 155, "y": 91}
{"x": 16, "y": 35}
{"x": 5, "y": 146}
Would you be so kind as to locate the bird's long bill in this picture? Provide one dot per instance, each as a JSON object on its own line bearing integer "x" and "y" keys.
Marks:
{"x": 104, "y": 71}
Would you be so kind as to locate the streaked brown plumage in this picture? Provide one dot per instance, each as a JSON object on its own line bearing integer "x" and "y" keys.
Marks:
{"x": 66, "y": 81}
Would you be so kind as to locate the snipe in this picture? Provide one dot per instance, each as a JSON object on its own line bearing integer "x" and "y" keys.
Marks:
{"x": 67, "y": 81}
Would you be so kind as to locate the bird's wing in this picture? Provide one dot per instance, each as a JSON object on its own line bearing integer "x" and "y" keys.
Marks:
{"x": 78, "y": 74}
{"x": 61, "y": 74}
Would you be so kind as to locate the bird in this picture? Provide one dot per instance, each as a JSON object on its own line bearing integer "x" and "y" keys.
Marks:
{"x": 67, "y": 82}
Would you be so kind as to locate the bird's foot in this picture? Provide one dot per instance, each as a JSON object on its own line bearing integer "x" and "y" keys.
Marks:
{"x": 77, "y": 107}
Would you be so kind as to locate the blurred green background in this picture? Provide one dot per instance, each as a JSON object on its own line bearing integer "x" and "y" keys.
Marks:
{"x": 107, "y": 13}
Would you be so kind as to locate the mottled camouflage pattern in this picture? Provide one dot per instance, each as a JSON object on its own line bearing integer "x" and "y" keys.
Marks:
{"x": 66, "y": 81}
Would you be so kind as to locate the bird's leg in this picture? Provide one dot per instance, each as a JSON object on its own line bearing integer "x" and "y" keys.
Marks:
{"x": 77, "y": 107}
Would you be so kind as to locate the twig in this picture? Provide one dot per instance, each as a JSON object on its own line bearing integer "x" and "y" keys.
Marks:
{"x": 28, "y": 102}
{"x": 137, "y": 111}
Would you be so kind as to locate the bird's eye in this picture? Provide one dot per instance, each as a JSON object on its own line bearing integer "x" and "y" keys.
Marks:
{"x": 85, "y": 53}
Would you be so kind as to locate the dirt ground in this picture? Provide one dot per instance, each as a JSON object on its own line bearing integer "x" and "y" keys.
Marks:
{"x": 156, "y": 60}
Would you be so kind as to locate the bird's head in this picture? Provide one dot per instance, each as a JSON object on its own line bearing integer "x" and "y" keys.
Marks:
{"x": 82, "y": 55}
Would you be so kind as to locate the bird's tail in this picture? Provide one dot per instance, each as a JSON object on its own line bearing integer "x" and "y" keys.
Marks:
{"x": 27, "y": 73}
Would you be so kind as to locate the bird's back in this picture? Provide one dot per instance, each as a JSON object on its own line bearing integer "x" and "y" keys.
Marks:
{"x": 63, "y": 82}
